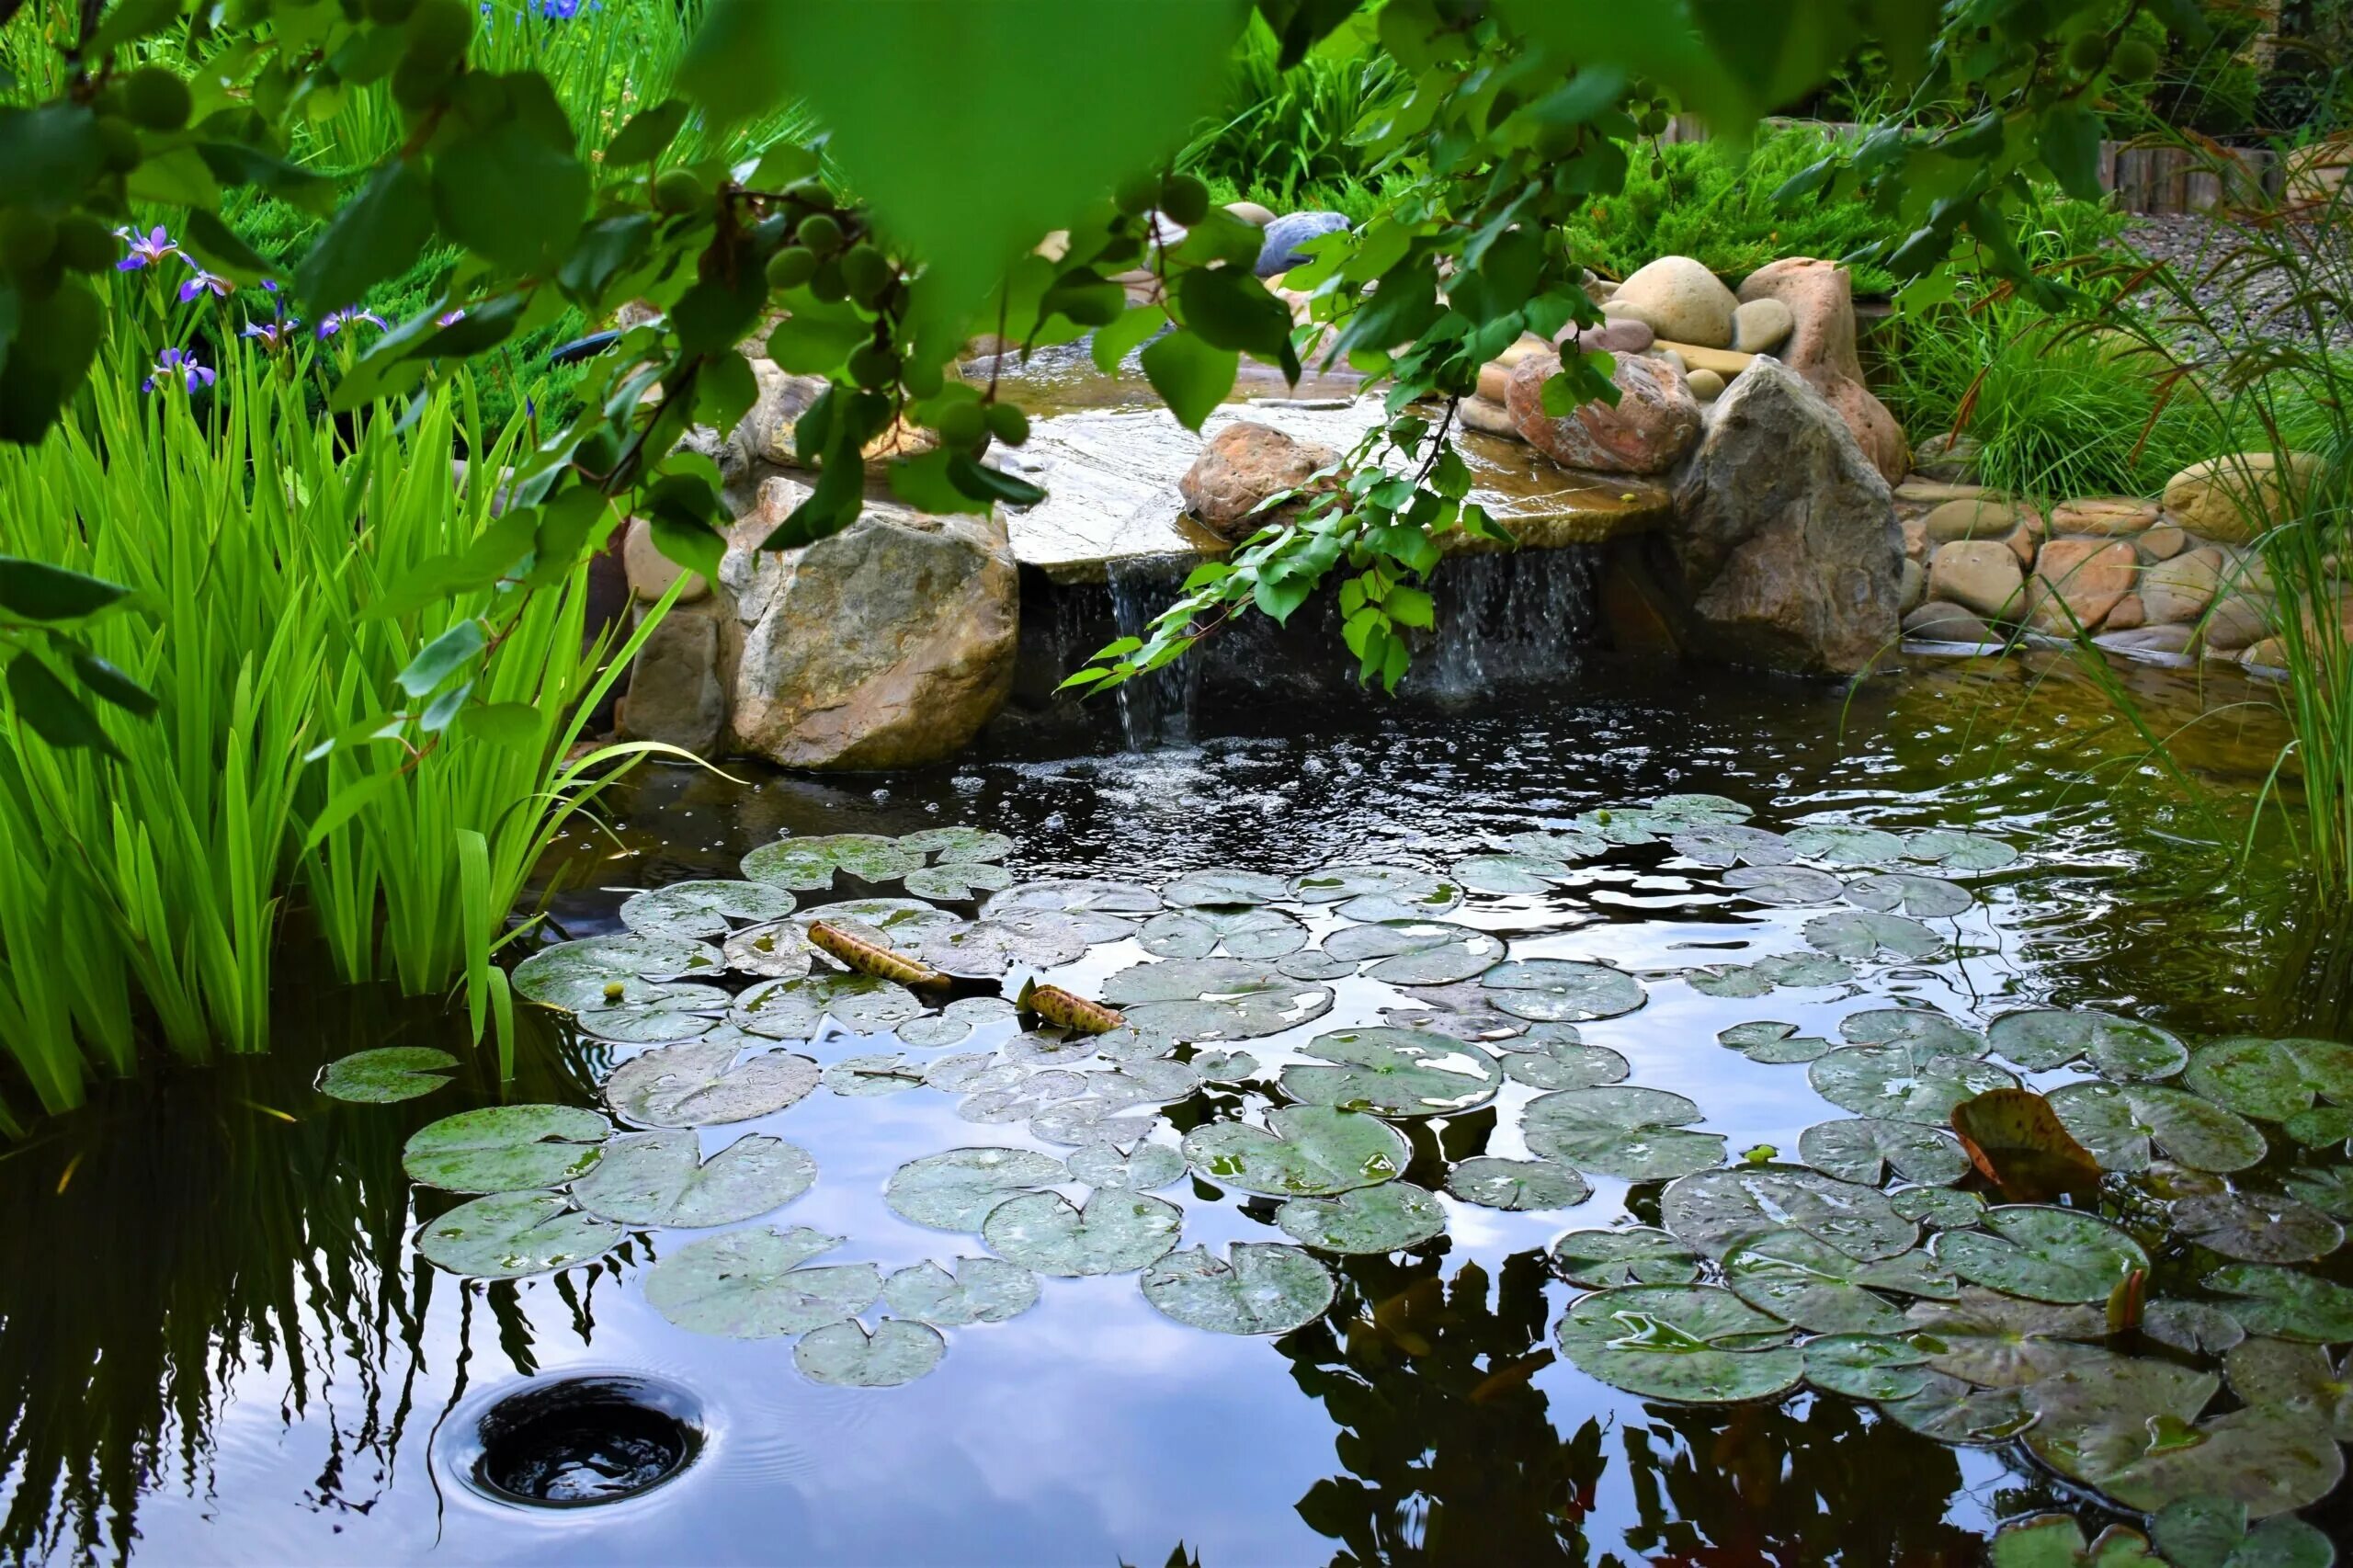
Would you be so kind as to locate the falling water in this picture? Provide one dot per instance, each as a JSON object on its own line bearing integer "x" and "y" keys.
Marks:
{"x": 1509, "y": 619}
{"x": 1157, "y": 708}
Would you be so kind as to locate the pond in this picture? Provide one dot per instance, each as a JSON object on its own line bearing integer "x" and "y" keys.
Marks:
{"x": 221, "y": 1337}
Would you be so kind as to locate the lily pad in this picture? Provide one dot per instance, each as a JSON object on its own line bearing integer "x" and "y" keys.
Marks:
{"x": 677, "y": 1012}
{"x": 1690, "y": 807}
{"x": 2282, "y": 1372}
{"x": 1950, "y": 1411}
{"x": 1226, "y": 1066}
{"x": 1920, "y": 1028}
{"x": 1570, "y": 845}
{"x": 1713, "y": 1210}
{"x": 1958, "y": 851}
{"x": 605, "y": 972}
{"x": 1816, "y": 1287}
{"x": 701, "y": 909}
{"x": 1803, "y": 969}
{"x": 1241, "y": 932}
{"x": 981, "y": 1289}
{"x": 1388, "y": 1217}
{"x": 1729, "y": 982}
{"x": 2199, "y": 1327}
{"x": 1145, "y": 1081}
{"x": 953, "y": 1024}
{"x": 1837, "y": 845}
{"x": 1860, "y": 1149}
{"x": 1997, "y": 1341}
{"x": 958, "y": 880}
{"x": 700, "y": 1084}
{"x": 968, "y": 845}
{"x": 1417, "y": 952}
{"x": 1865, "y": 1366}
{"x": 2056, "y": 1540}
{"x": 990, "y": 946}
{"x": 2272, "y": 1079}
{"x": 1562, "y": 991}
{"x": 1049, "y": 1047}
{"x": 1394, "y": 1072}
{"x": 2321, "y": 1126}
{"x": 810, "y": 864}
{"x": 1772, "y": 1043}
{"x": 1022, "y": 1100}
{"x": 1908, "y": 892}
{"x": 1723, "y": 846}
{"x": 1440, "y": 898}
{"x": 1085, "y": 1119}
{"x": 2207, "y": 1532}
{"x": 2043, "y": 1038}
{"x": 1224, "y": 888}
{"x": 1313, "y": 963}
{"x": 1862, "y": 937}
{"x": 900, "y": 924}
{"x": 797, "y": 1009}
{"x": 972, "y": 1073}
{"x": 1938, "y": 1206}
{"x": 2042, "y": 1253}
{"x": 1336, "y": 884}
{"x": 1113, "y": 1232}
{"x": 2328, "y": 1190}
{"x": 777, "y": 952}
{"x": 505, "y": 1148}
{"x": 1259, "y": 1287}
{"x": 1097, "y": 905}
{"x": 661, "y": 1178}
{"x": 878, "y": 1072}
{"x": 2119, "y": 1122}
{"x": 752, "y": 1284}
{"x": 1212, "y": 999}
{"x": 1623, "y": 1131}
{"x": 1492, "y": 1182}
{"x": 955, "y": 1191}
{"x": 846, "y": 1355}
{"x": 1692, "y": 1343}
{"x": 1510, "y": 873}
{"x": 1303, "y": 1151}
{"x": 2285, "y": 1303}
{"x": 508, "y": 1234}
{"x": 1635, "y": 1256}
{"x": 1563, "y": 1064}
{"x": 386, "y": 1076}
{"x": 2258, "y": 1227}
{"x": 1903, "y": 1082}
{"x": 1786, "y": 887}
{"x": 1147, "y": 1167}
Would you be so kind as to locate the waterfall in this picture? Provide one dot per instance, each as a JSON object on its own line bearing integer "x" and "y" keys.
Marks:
{"x": 1156, "y": 709}
{"x": 1507, "y": 619}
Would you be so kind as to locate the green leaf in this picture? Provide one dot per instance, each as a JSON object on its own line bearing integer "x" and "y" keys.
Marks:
{"x": 55, "y": 714}
{"x": 1191, "y": 376}
{"x": 54, "y": 343}
{"x": 110, "y": 684}
{"x": 604, "y": 250}
{"x": 984, "y": 483}
{"x": 515, "y": 725}
{"x": 647, "y": 135}
{"x": 217, "y": 243}
{"x": 233, "y": 162}
{"x": 48, "y": 156}
{"x": 691, "y": 544}
{"x": 505, "y": 193}
{"x": 37, "y": 591}
{"x": 374, "y": 236}
{"x": 438, "y": 659}
{"x": 1114, "y": 342}
{"x": 2070, "y": 144}
{"x": 1228, "y": 308}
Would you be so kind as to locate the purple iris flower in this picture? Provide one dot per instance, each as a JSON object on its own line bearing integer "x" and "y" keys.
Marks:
{"x": 272, "y": 335}
{"x": 149, "y": 251}
{"x": 177, "y": 365}
{"x": 334, "y": 322}
{"x": 221, "y": 288}
{"x": 451, "y": 318}
{"x": 564, "y": 10}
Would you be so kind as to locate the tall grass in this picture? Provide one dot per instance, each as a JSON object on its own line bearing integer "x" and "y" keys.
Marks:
{"x": 1286, "y": 139}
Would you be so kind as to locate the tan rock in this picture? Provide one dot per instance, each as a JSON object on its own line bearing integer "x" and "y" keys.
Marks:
{"x": 2023, "y": 541}
{"x": 1725, "y": 362}
{"x": 1250, "y": 212}
{"x": 1239, "y": 468}
{"x": 1821, "y": 347}
{"x": 2078, "y": 583}
{"x": 1678, "y": 299}
{"x": 1759, "y": 326}
{"x": 1487, "y": 415}
{"x": 1911, "y": 586}
{"x": 2270, "y": 653}
{"x": 2238, "y": 620}
{"x": 2179, "y": 590}
{"x": 1927, "y": 493}
{"x": 1984, "y": 516}
{"x": 676, "y": 693}
{"x": 2125, "y": 614}
{"x": 2106, "y": 516}
{"x": 1936, "y": 621}
{"x": 2232, "y": 499}
{"x": 1495, "y": 381}
{"x": 651, "y": 572}
{"x": 1654, "y": 422}
{"x": 1979, "y": 574}
{"x": 1916, "y": 539}
{"x": 2163, "y": 542}
{"x": 1706, "y": 385}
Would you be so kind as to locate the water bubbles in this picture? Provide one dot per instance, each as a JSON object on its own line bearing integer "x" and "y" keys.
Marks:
{"x": 881, "y": 797}
{"x": 968, "y": 783}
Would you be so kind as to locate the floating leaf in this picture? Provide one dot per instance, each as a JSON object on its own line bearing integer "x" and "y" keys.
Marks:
{"x": 1113, "y": 1232}
{"x": 1713, "y": 1210}
{"x": 1775, "y": 1044}
{"x": 1259, "y": 1287}
{"x": 2285, "y": 1303}
{"x": 1623, "y": 1131}
{"x": 955, "y": 1191}
{"x": 970, "y": 846}
{"x": 1803, "y": 969}
{"x": 1096, "y": 905}
{"x": 2330, "y": 1190}
{"x": 2018, "y": 1141}
{"x": 1492, "y": 1182}
{"x": 1023, "y": 1100}
{"x": 1837, "y": 845}
{"x": 1865, "y": 1366}
{"x": 1394, "y": 1072}
{"x": 1145, "y": 1168}
{"x": 2199, "y": 1328}
{"x": 1950, "y": 1411}
{"x": 1440, "y": 898}
{"x": 1723, "y": 846}
{"x": 1209, "y": 999}
{"x": 2321, "y": 1126}
{"x": 700, "y": 1084}
{"x": 1996, "y": 1341}
{"x": 2043, "y": 1038}
{"x": 505, "y": 1148}
{"x": 1690, "y": 807}
{"x": 2282, "y": 1372}
{"x": 2118, "y": 1122}
{"x": 1565, "y": 990}
{"x": 781, "y": 951}
{"x": 752, "y": 1284}
{"x": 1224, "y": 888}
{"x": 1563, "y": 1064}
{"x": 810, "y": 864}
{"x": 700, "y": 909}
{"x": 1313, "y": 964}
{"x": 1509, "y": 874}
{"x": 2258, "y": 1227}
{"x": 1858, "y": 937}
{"x": 845, "y": 1354}
{"x": 1226, "y": 1066}
{"x": 1048, "y": 1046}
{"x": 2042, "y": 1253}
{"x": 1085, "y": 1120}
{"x": 1860, "y": 1149}
{"x": 1482, "y": 1026}
{"x": 990, "y": 946}
{"x": 605, "y": 972}
{"x": 1570, "y": 845}
{"x": 1417, "y": 952}
{"x": 1729, "y": 982}
{"x": 1938, "y": 1206}
{"x": 1335, "y": 884}
{"x": 1958, "y": 851}
{"x": 1241, "y": 932}
{"x": 1903, "y": 1082}
{"x": 386, "y": 1076}
{"x": 981, "y": 1289}
{"x": 1693, "y": 1343}
{"x": 661, "y": 1178}
{"x": 972, "y": 1073}
{"x": 1145, "y": 1081}
{"x": 955, "y": 1022}
{"x": 797, "y": 1009}
{"x": 1920, "y": 1028}
{"x": 2273, "y": 1079}
{"x": 1388, "y": 1217}
{"x": 1786, "y": 887}
{"x": 2056, "y": 1541}
{"x": 508, "y": 1234}
{"x": 1908, "y": 892}
{"x": 2208, "y": 1532}
{"x": 958, "y": 880}
{"x": 675, "y": 1012}
{"x": 879, "y": 1073}
{"x": 1303, "y": 1151}
{"x": 1636, "y": 1255}
{"x": 899, "y": 924}
{"x": 1813, "y": 1285}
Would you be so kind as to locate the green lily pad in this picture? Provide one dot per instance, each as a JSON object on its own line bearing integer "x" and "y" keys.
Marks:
{"x": 972, "y": 1073}
{"x": 953, "y": 1024}
{"x": 1417, "y": 952}
{"x": 700, "y": 1084}
{"x": 1084, "y": 1119}
{"x": 2199, "y": 1327}
{"x": 1938, "y": 1206}
{"x": 1226, "y": 1066}
{"x": 955, "y": 1191}
{"x": 2043, "y": 1038}
{"x": 1394, "y": 1072}
{"x": 1903, "y": 1082}
{"x": 1023, "y": 1100}
{"x": 2118, "y": 1123}
{"x": 1786, "y": 887}
{"x": 608, "y": 972}
{"x": 2282, "y": 1372}
{"x": 968, "y": 845}
{"x": 877, "y": 1073}
{"x": 1224, "y": 888}
{"x": 1145, "y": 1081}
{"x": 1565, "y": 1064}
{"x": 1098, "y": 906}
{"x": 1865, "y": 1366}
{"x": 1147, "y": 1167}
{"x": 1049, "y": 1047}
{"x": 1113, "y": 1232}
{"x": 679, "y": 1012}
{"x": 2321, "y": 1126}
{"x": 1692, "y": 807}
{"x": 1635, "y": 1256}
{"x": 1860, "y": 937}
{"x": 508, "y": 1234}
{"x": 661, "y": 1178}
{"x": 1958, "y": 851}
{"x": 1492, "y": 1182}
{"x": 2284, "y": 1303}
{"x": 777, "y": 952}
{"x": 958, "y": 880}
{"x": 2258, "y": 1227}
{"x": 1722, "y": 846}
{"x": 1950, "y": 1411}
{"x": 810, "y": 864}
{"x": 1803, "y": 969}
{"x": 1908, "y": 892}
{"x": 2207, "y": 1532}
{"x": 1569, "y": 844}
{"x": 505, "y": 1148}
{"x": 1997, "y": 1341}
{"x": 1837, "y": 845}
{"x": 752, "y": 1284}
{"x": 1562, "y": 991}
{"x": 1623, "y": 1131}
{"x": 846, "y": 1355}
{"x": 2328, "y": 1190}
{"x": 1315, "y": 963}
{"x": 1860, "y": 1149}
{"x": 1692, "y": 1343}
{"x": 386, "y": 1076}
{"x": 1302, "y": 1151}
{"x": 990, "y": 946}
{"x": 2272, "y": 1079}
{"x": 702, "y": 909}
{"x": 1440, "y": 898}
{"x": 1510, "y": 873}
{"x": 1816, "y": 1287}
{"x": 1240, "y": 933}
{"x": 900, "y": 924}
{"x": 797, "y": 1009}
{"x": 1772, "y": 1043}
{"x": 1214, "y": 999}
{"x": 2056, "y": 1540}
{"x": 2042, "y": 1253}
{"x": 1388, "y": 1217}
{"x": 1259, "y": 1287}
{"x": 1917, "y": 1026}
{"x": 1336, "y": 884}
{"x": 981, "y": 1289}
{"x": 1713, "y": 1209}
{"x": 1729, "y": 982}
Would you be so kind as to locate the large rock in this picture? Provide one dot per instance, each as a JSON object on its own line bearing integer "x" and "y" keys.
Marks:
{"x": 1821, "y": 297}
{"x": 651, "y": 572}
{"x": 2232, "y": 499}
{"x": 2077, "y": 582}
{"x": 1981, "y": 517}
{"x": 2177, "y": 591}
{"x": 762, "y": 440}
{"x": 1950, "y": 456}
{"x": 1612, "y": 335}
{"x": 2238, "y": 620}
{"x": 1759, "y": 326}
{"x": 1785, "y": 535}
{"x": 1655, "y": 421}
{"x": 1982, "y": 574}
{"x": 1679, "y": 298}
{"x": 887, "y": 645}
{"x": 1936, "y": 621}
{"x": 1240, "y": 467}
{"x": 1279, "y": 252}
{"x": 676, "y": 692}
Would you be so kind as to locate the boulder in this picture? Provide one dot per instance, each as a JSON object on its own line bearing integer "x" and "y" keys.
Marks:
{"x": 1821, "y": 297}
{"x": 889, "y": 644}
{"x": 676, "y": 692}
{"x": 1938, "y": 623}
{"x": 2024, "y": 540}
{"x": 2077, "y": 582}
{"x": 2232, "y": 499}
{"x": 1785, "y": 536}
{"x": 1250, "y": 212}
{"x": 2126, "y": 614}
{"x": 2177, "y": 591}
{"x": 1982, "y": 516}
{"x": 2103, "y": 517}
{"x": 1952, "y": 456}
{"x": 2163, "y": 542}
{"x": 1759, "y": 326}
{"x": 1680, "y": 299}
{"x": 1918, "y": 494}
{"x": 1982, "y": 574}
{"x": 1654, "y": 422}
{"x": 1494, "y": 381}
{"x": 2173, "y": 640}
{"x": 1613, "y": 334}
{"x": 2235, "y": 621}
{"x": 1280, "y": 251}
{"x": 1665, "y": 355}
{"x": 762, "y": 438}
{"x": 651, "y": 572}
{"x": 1486, "y": 415}
{"x": 1706, "y": 385}
{"x": 2270, "y": 655}
{"x": 1239, "y": 468}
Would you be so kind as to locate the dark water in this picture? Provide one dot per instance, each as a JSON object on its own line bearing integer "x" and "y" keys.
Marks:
{"x": 216, "y": 1344}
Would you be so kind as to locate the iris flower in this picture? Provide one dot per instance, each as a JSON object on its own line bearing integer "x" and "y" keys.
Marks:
{"x": 334, "y": 322}
{"x": 147, "y": 251}
{"x": 177, "y": 365}
{"x": 272, "y": 335}
{"x": 221, "y": 288}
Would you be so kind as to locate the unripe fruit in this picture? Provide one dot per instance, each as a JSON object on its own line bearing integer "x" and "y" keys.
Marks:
{"x": 1136, "y": 196}
{"x": 791, "y": 266}
{"x": 84, "y": 245}
{"x": 866, "y": 272}
{"x": 440, "y": 30}
{"x": 2087, "y": 52}
{"x": 117, "y": 145}
{"x": 872, "y": 366}
{"x": 826, "y": 281}
{"x": 820, "y": 232}
{"x": 810, "y": 192}
{"x": 679, "y": 190}
{"x": 1185, "y": 200}
{"x": 961, "y": 423}
{"x": 1007, "y": 423}
{"x": 2135, "y": 60}
{"x": 27, "y": 239}
{"x": 923, "y": 380}
{"x": 156, "y": 98}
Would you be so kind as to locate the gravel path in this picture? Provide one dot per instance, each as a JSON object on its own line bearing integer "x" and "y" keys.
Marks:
{"x": 2244, "y": 286}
